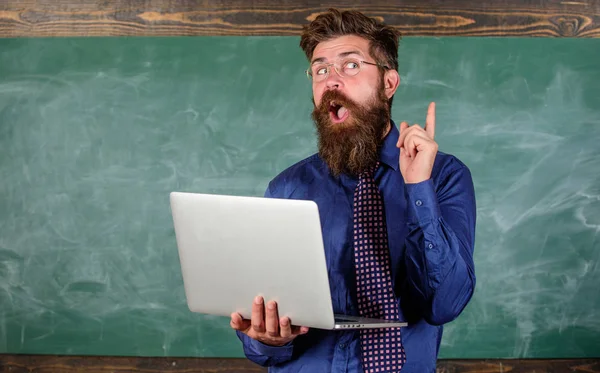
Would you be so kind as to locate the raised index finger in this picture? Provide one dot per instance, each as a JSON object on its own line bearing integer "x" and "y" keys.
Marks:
{"x": 430, "y": 121}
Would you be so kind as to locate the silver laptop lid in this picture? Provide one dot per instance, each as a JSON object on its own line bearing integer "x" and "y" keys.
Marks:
{"x": 232, "y": 248}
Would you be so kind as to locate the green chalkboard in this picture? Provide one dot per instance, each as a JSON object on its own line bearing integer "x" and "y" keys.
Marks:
{"x": 95, "y": 133}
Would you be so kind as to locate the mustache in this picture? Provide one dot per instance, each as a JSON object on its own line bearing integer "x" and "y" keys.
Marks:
{"x": 336, "y": 97}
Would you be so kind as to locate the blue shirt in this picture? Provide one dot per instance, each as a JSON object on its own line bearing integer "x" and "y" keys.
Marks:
{"x": 431, "y": 231}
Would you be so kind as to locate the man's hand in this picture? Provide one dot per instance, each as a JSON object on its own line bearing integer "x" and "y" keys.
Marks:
{"x": 418, "y": 149}
{"x": 271, "y": 331}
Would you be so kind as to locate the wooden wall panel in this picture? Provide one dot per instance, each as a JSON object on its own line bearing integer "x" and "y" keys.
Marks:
{"x": 543, "y": 18}
{"x": 91, "y": 364}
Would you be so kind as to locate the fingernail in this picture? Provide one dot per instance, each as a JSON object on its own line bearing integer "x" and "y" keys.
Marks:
{"x": 304, "y": 329}
{"x": 258, "y": 300}
{"x": 271, "y": 305}
{"x": 284, "y": 321}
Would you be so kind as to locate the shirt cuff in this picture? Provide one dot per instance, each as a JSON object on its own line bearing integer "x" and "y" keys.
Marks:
{"x": 422, "y": 202}
{"x": 272, "y": 351}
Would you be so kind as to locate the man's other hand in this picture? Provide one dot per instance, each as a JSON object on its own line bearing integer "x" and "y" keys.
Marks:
{"x": 270, "y": 330}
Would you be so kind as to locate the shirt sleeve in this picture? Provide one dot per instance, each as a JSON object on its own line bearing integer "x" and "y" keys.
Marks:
{"x": 440, "y": 245}
{"x": 263, "y": 354}
{"x": 257, "y": 351}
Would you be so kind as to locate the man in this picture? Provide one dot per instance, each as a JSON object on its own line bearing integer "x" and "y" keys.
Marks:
{"x": 427, "y": 211}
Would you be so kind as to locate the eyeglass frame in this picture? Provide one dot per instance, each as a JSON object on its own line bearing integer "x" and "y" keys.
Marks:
{"x": 334, "y": 64}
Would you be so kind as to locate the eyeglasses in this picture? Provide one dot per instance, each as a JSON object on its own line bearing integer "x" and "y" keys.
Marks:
{"x": 318, "y": 72}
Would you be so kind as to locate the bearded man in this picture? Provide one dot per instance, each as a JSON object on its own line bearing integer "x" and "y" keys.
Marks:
{"x": 398, "y": 216}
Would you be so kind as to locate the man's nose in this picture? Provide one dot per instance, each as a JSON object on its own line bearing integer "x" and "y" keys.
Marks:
{"x": 334, "y": 80}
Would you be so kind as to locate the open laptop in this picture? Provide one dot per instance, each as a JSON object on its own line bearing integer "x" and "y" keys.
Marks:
{"x": 233, "y": 248}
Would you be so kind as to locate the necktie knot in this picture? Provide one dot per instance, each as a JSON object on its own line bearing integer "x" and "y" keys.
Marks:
{"x": 369, "y": 172}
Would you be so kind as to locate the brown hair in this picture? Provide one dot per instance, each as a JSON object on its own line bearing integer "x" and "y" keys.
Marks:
{"x": 383, "y": 40}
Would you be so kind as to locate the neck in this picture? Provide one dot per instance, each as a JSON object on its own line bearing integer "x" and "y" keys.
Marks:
{"x": 388, "y": 128}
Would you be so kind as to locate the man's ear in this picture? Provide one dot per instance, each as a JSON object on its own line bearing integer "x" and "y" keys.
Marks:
{"x": 391, "y": 81}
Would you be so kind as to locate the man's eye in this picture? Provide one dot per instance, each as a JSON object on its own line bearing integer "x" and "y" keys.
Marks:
{"x": 351, "y": 65}
{"x": 321, "y": 71}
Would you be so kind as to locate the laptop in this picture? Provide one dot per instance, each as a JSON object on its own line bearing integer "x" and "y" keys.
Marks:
{"x": 233, "y": 248}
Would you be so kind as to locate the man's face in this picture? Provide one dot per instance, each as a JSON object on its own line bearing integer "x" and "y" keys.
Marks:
{"x": 351, "y": 112}
{"x": 357, "y": 88}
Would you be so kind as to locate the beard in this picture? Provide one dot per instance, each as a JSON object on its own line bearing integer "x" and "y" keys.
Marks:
{"x": 353, "y": 145}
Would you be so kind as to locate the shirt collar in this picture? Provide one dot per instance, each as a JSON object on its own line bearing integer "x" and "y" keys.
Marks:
{"x": 390, "y": 154}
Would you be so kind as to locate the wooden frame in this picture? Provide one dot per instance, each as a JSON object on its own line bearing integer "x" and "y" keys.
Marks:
{"x": 542, "y": 18}
{"x": 85, "y": 18}
{"x": 94, "y": 364}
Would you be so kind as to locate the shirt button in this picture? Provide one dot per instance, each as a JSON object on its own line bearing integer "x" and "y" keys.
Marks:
{"x": 342, "y": 345}
{"x": 418, "y": 203}
{"x": 431, "y": 246}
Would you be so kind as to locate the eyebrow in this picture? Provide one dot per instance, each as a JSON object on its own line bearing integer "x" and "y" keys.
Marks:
{"x": 343, "y": 54}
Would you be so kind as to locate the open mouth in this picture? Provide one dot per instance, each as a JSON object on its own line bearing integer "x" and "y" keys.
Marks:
{"x": 337, "y": 112}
